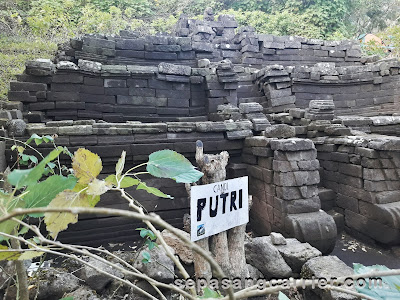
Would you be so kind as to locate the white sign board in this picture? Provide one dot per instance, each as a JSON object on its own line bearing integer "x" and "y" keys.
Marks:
{"x": 219, "y": 206}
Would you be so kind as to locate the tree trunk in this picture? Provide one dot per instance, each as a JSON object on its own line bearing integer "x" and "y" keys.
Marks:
{"x": 237, "y": 259}
{"x": 236, "y": 238}
{"x": 214, "y": 169}
{"x": 22, "y": 277}
{"x": 202, "y": 268}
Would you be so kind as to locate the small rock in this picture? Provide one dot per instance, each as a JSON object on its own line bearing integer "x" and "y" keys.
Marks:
{"x": 90, "y": 66}
{"x": 55, "y": 283}
{"x": 16, "y": 127}
{"x": 161, "y": 267}
{"x": 261, "y": 254}
{"x": 180, "y": 248}
{"x": 94, "y": 278}
{"x": 83, "y": 293}
{"x": 280, "y": 131}
{"x": 67, "y": 65}
{"x": 203, "y": 63}
{"x": 296, "y": 254}
{"x": 277, "y": 238}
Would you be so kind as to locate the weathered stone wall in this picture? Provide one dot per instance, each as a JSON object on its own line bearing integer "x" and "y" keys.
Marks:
{"x": 284, "y": 181}
{"x": 365, "y": 174}
{"x": 353, "y": 176}
{"x": 214, "y": 40}
{"x": 111, "y": 93}
{"x": 139, "y": 140}
{"x": 386, "y": 125}
{"x": 282, "y": 106}
{"x": 366, "y": 90}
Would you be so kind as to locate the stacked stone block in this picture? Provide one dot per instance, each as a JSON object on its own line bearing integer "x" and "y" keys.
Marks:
{"x": 311, "y": 122}
{"x": 386, "y": 125}
{"x": 275, "y": 82}
{"x": 254, "y": 112}
{"x": 114, "y": 93}
{"x": 293, "y": 50}
{"x": 211, "y": 39}
{"x": 248, "y": 91}
{"x": 285, "y": 177}
{"x": 250, "y": 48}
{"x": 365, "y": 174}
{"x": 355, "y": 90}
{"x": 320, "y": 110}
{"x": 221, "y": 86}
{"x": 139, "y": 140}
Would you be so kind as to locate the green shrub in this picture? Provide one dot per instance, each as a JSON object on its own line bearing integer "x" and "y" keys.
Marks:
{"x": 15, "y": 51}
{"x": 278, "y": 23}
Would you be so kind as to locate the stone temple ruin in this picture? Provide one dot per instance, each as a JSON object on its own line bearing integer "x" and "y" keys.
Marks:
{"x": 314, "y": 125}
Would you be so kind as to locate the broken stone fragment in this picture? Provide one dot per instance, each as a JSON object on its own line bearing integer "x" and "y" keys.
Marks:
{"x": 95, "y": 279}
{"x": 246, "y": 108}
{"x": 16, "y": 127}
{"x": 167, "y": 68}
{"x": 328, "y": 267}
{"x": 296, "y": 254}
{"x": 280, "y": 131}
{"x": 90, "y": 66}
{"x": 261, "y": 254}
{"x": 181, "y": 249}
{"x": 277, "y": 238}
{"x": 67, "y": 65}
{"x": 160, "y": 267}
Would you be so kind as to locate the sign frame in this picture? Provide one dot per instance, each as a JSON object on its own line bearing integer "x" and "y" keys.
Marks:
{"x": 219, "y": 206}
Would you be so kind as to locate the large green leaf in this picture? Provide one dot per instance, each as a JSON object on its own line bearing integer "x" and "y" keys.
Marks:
{"x": 125, "y": 182}
{"x": 390, "y": 284}
{"x": 20, "y": 178}
{"x": 58, "y": 221}
{"x": 282, "y": 296}
{"x": 153, "y": 190}
{"x": 28, "y": 255}
{"x": 97, "y": 187}
{"x": 40, "y": 195}
{"x": 87, "y": 165}
{"x": 8, "y": 254}
{"x": 170, "y": 164}
{"x": 120, "y": 164}
{"x": 7, "y": 204}
{"x": 210, "y": 294}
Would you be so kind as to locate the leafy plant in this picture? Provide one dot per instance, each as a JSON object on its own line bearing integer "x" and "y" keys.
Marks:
{"x": 390, "y": 288}
{"x": 210, "y": 294}
{"x": 82, "y": 188}
{"x": 150, "y": 238}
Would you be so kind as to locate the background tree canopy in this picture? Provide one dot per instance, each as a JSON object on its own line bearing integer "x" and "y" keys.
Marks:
{"x": 311, "y": 18}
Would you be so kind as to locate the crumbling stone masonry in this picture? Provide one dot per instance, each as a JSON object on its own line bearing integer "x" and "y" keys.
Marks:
{"x": 313, "y": 124}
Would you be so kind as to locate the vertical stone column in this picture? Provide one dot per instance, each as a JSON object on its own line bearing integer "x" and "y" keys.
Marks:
{"x": 221, "y": 84}
{"x": 284, "y": 177}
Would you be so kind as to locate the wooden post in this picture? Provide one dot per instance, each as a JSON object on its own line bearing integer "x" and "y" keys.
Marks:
{"x": 214, "y": 169}
{"x": 236, "y": 237}
{"x": 226, "y": 247}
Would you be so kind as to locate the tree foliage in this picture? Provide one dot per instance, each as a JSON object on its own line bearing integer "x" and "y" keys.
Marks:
{"x": 310, "y": 18}
{"x": 81, "y": 187}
